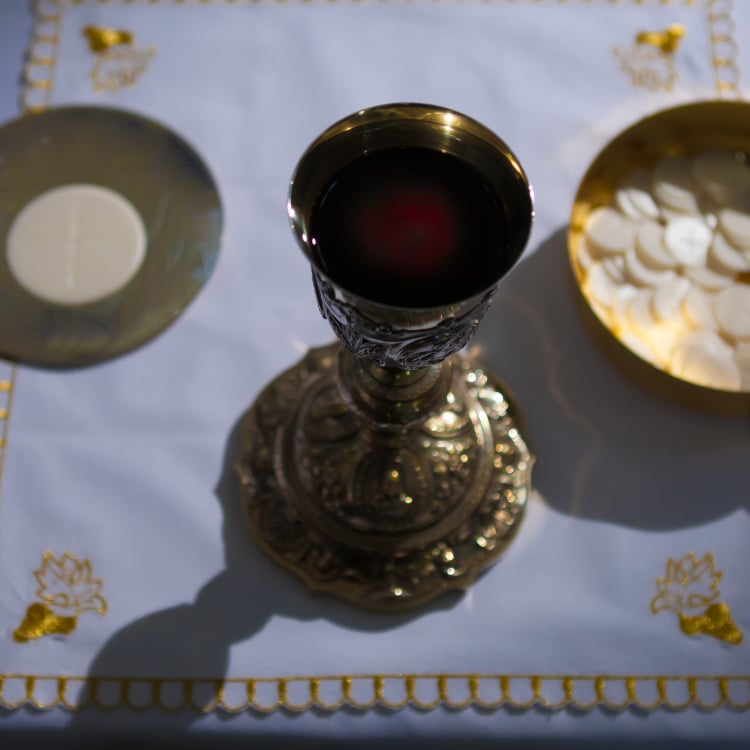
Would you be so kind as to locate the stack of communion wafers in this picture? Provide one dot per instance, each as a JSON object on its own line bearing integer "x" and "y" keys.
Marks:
{"x": 667, "y": 267}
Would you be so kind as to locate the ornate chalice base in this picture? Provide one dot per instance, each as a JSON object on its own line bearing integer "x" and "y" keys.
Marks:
{"x": 386, "y": 515}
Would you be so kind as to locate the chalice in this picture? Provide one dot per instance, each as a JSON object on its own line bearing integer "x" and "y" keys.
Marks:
{"x": 389, "y": 467}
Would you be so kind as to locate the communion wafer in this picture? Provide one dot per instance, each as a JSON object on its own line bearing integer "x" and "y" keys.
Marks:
{"x": 706, "y": 365}
{"x": 672, "y": 184}
{"x": 667, "y": 299}
{"x": 726, "y": 258}
{"x": 614, "y": 265}
{"x": 639, "y": 310}
{"x": 735, "y": 226}
{"x": 600, "y": 285}
{"x": 609, "y": 231}
{"x": 668, "y": 214}
{"x": 698, "y": 306}
{"x": 649, "y": 246}
{"x": 625, "y": 205}
{"x": 711, "y": 281}
{"x": 668, "y": 270}
{"x": 663, "y": 340}
{"x": 633, "y": 198}
{"x": 621, "y": 301}
{"x": 641, "y": 275}
{"x": 731, "y": 309}
{"x": 688, "y": 239}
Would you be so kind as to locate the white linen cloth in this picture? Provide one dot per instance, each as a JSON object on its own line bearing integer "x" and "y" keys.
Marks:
{"x": 129, "y": 464}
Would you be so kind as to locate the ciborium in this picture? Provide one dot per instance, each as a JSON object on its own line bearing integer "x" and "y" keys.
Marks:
{"x": 390, "y": 467}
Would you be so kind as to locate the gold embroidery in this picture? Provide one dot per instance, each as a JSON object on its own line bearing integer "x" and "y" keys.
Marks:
{"x": 40, "y": 621}
{"x": 724, "y": 49}
{"x": 393, "y": 691}
{"x": 650, "y": 63}
{"x": 117, "y": 62}
{"x": 100, "y": 38}
{"x": 690, "y": 590}
{"x": 66, "y": 590}
{"x": 41, "y": 56}
{"x": 716, "y": 621}
{"x": 667, "y": 41}
{"x": 7, "y": 388}
{"x": 329, "y": 693}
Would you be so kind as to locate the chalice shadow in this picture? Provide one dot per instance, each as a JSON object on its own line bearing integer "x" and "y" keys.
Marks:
{"x": 400, "y": 406}
{"x": 192, "y": 641}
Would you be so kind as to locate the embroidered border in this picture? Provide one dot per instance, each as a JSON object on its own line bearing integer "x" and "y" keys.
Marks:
{"x": 397, "y": 691}
{"x": 7, "y": 387}
{"x": 42, "y": 56}
{"x": 391, "y": 691}
{"x": 197, "y": 3}
{"x": 724, "y": 50}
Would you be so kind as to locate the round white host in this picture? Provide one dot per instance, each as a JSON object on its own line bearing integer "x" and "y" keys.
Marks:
{"x": 688, "y": 240}
{"x": 732, "y": 311}
{"x": 609, "y": 231}
{"x": 76, "y": 244}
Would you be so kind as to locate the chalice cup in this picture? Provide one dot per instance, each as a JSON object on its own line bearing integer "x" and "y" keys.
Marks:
{"x": 389, "y": 467}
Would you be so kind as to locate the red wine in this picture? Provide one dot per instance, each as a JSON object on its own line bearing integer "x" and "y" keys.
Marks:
{"x": 411, "y": 227}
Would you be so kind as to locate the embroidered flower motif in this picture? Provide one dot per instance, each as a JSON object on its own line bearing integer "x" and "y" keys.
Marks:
{"x": 66, "y": 590}
{"x": 118, "y": 63}
{"x": 690, "y": 589}
{"x": 650, "y": 61}
{"x": 690, "y": 584}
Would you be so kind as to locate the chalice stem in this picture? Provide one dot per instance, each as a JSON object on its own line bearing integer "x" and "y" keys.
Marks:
{"x": 390, "y": 398}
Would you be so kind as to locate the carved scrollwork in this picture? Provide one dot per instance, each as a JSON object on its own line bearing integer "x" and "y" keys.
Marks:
{"x": 408, "y": 348}
{"x": 384, "y": 521}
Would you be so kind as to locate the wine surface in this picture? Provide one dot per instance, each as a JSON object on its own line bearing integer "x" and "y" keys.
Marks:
{"x": 410, "y": 227}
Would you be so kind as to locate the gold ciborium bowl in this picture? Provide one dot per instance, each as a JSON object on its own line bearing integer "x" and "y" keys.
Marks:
{"x": 388, "y": 468}
{"x": 654, "y": 352}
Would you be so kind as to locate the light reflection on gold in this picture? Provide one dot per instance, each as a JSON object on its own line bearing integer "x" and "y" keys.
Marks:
{"x": 101, "y": 38}
{"x": 667, "y": 41}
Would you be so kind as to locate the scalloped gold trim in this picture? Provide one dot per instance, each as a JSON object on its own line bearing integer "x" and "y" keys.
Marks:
{"x": 202, "y": 3}
{"x": 391, "y": 691}
{"x": 42, "y": 56}
{"x": 8, "y": 372}
{"x": 394, "y": 691}
{"x": 724, "y": 49}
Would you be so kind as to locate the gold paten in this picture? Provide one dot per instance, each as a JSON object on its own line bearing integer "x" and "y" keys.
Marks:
{"x": 687, "y": 129}
{"x": 391, "y": 469}
{"x": 169, "y": 186}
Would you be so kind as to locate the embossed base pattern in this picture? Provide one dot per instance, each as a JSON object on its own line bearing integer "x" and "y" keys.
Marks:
{"x": 384, "y": 518}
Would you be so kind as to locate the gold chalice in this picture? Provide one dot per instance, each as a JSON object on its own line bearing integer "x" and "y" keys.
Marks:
{"x": 389, "y": 468}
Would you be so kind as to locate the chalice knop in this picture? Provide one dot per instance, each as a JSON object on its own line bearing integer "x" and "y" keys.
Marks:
{"x": 388, "y": 468}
